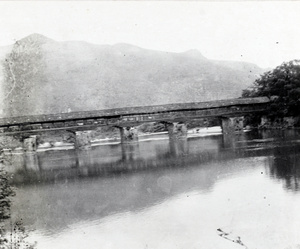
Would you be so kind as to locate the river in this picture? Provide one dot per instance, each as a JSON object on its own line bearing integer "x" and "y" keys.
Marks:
{"x": 208, "y": 191}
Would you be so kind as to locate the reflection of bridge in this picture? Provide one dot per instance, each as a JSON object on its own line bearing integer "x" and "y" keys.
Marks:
{"x": 174, "y": 115}
{"x": 158, "y": 155}
{"x": 195, "y": 171}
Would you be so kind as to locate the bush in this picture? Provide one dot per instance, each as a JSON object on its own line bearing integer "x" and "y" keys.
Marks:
{"x": 282, "y": 86}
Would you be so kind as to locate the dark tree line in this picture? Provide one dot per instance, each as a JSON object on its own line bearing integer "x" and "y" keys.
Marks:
{"x": 13, "y": 235}
{"x": 5, "y": 193}
{"x": 282, "y": 86}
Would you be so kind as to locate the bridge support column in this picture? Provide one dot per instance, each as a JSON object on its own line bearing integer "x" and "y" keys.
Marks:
{"x": 83, "y": 140}
{"x": 232, "y": 124}
{"x": 128, "y": 135}
{"x": 30, "y": 144}
{"x": 177, "y": 130}
{"x": 264, "y": 122}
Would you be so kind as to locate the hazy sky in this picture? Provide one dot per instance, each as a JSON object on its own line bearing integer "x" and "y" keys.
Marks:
{"x": 266, "y": 33}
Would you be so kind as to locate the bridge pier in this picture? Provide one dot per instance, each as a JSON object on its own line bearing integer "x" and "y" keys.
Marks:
{"x": 128, "y": 134}
{"x": 83, "y": 140}
{"x": 232, "y": 125}
{"x": 177, "y": 130}
{"x": 264, "y": 121}
{"x": 30, "y": 144}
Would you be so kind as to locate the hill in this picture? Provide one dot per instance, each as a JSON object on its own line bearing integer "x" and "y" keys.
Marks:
{"x": 39, "y": 75}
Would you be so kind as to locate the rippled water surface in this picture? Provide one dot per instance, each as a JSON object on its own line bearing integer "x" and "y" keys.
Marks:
{"x": 206, "y": 192}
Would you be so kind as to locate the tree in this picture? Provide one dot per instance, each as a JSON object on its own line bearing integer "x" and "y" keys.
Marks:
{"x": 5, "y": 202}
{"x": 282, "y": 86}
{"x": 14, "y": 236}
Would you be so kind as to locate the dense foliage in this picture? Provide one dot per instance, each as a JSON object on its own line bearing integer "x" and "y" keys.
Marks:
{"x": 12, "y": 234}
{"x": 5, "y": 193}
{"x": 282, "y": 86}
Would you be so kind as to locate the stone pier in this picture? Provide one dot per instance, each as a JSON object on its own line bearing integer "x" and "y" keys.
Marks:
{"x": 232, "y": 125}
{"x": 128, "y": 134}
{"x": 30, "y": 144}
{"x": 83, "y": 140}
{"x": 177, "y": 130}
{"x": 264, "y": 121}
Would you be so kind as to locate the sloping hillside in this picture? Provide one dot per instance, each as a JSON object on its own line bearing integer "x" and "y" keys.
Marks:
{"x": 40, "y": 75}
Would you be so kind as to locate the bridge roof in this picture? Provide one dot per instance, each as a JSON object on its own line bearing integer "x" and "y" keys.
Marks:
{"x": 126, "y": 111}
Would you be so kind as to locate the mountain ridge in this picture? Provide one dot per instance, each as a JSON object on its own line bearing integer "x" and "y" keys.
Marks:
{"x": 53, "y": 77}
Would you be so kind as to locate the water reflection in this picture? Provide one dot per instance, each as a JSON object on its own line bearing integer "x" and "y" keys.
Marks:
{"x": 130, "y": 151}
{"x": 283, "y": 151}
{"x": 100, "y": 198}
{"x": 281, "y": 147}
{"x": 178, "y": 147}
{"x": 31, "y": 161}
{"x": 58, "y": 189}
{"x": 284, "y": 165}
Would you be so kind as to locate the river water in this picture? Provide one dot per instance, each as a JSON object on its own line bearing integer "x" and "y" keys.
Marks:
{"x": 217, "y": 192}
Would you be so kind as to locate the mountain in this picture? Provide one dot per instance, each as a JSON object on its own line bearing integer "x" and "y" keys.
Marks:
{"x": 41, "y": 76}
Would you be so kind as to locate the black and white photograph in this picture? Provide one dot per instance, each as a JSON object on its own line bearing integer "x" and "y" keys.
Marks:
{"x": 150, "y": 124}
